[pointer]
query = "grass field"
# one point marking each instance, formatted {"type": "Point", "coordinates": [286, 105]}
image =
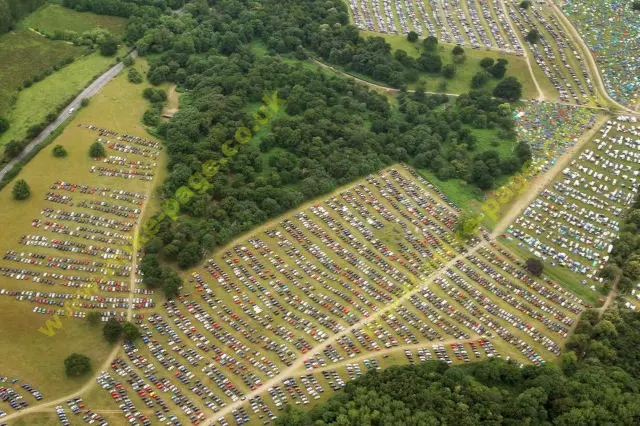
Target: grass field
{"type": "Point", "coordinates": [461, 82]}
{"type": "Point", "coordinates": [52, 17]}
{"type": "Point", "coordinates": [23, 55]}
{"type": "Point", "coordinates": [34, 103]}
{"type": "Point", "coordinates": [25, 352]}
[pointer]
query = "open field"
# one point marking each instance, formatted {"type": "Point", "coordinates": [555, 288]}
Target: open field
{"type": "Point", "coordinates": [461, 82]}
{"type": "Point", "coordinates": [34, 103]}
{"type": "Point", "coordinates": [48, 248]}
{"type": "Point", "coordinates": [24, 55]}
{"type": "Point", "coordinates": [52, 17]}
{"type": "Point", "coordinates": [351, 280]}
{"type": "Point", "coordinates": [573, 223]}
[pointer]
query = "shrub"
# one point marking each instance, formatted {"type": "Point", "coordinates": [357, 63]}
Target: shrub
{"type": "Point", "coordinates": [59, 151]}
{"type": "Point", "coordinates": [12, 149]}
{"type": "Point", "coordinates": [448, 71]}
{"type": "Point", "coordinates": [4, 125]}
{"type": "Point", "coordinates": [35, 130]}
{"type": "Point", "coordinates": [21, 190]}
{"type": "Point", "coordinates": [108, 46]}
{"type": "Point", "coordinates": [134, 76]}
{"type": "Point", "coordinates": [128, 61]}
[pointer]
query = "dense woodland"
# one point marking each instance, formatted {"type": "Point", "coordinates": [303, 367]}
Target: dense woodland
{"type": "Point", "coordinates": [597, 383]}
{"type": "Point", "coordinates": [624, 265]}
{"type": "Point", "coordinates": [227, 55]}
{"type": "Point", "coordinates": [12, 10]}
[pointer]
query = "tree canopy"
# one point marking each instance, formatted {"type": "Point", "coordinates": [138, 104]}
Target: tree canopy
{"type": "Point", "coordinates": [76, 365]}
{"type": "Point", "coordinates": [112, 330]}
{"type": "Point", "coordinates": [96, 150]}
{"type": "Point", "coordinates": [21, 190]}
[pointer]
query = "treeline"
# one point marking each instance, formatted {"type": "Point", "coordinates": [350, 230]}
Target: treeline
{"type": "Point", "coordinates": [11, 11]}
{"type": "Point", "coordinates": [330, 132]}
{"type": "Point", "coordinates": [123, 8]}
{"type": "Point", "coordinates": [625, 256]}
{"type": "Point", "coordinates": [597, 382]}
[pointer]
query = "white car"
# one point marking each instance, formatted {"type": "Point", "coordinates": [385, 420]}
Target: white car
{"type": "Point", "coordinates": [71, 110]}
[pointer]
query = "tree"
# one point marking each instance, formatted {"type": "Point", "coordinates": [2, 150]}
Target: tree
{"type": "Point", "coordinates": [457, 50]}
{"type": "Point", "coordinates": [525, 4]}
{"type": "Point", "coordinates": [412, 36]}
{"type": "Point", "coordinates": [151, 117]}
{"type": "Point", "coordinates": [448, 71]}
{"type": "Point", "coordinates": [172, 284]}
{"type": "Point", "coordinates": [84, 102]}
{"type": "Point", "coordinates": [112, 330]}
{"type": "Point", "coordinates": [4, 125]}
{"type": "Point", "coordinates": [59, 151]}
{"type": "Point", "coordinates": [481, 175]}
{"type": "Point", "coordinates": [77, 365]}
{"type": "Point", "coordinates": [534, 266]}
{"type": "Point", "coordinates": [430, 62]}
{"type": "Point", "coordinates": [467, 225]}
{"type": "Point", "coordinates": [486, 63]}
{"type": "Point", "coordinates": [499, 69]}
{"type": "Point", "coordinates": [636, 5]}
{"type": "Point", "coordinates": [509, 89]}
{"type": "Point", "coordinates": [12, 149]}
{"type": "Point", "coordinates": [130, 331]}
{"type": "Point", "coordinates": [21, 190]}
{"type": "Point", "coordinates": [533, 36]}
{"type": "Point", "coordinates": [96, 150]}
{"type": "Point", "coordinates": [479, 79]}
{"type": "Point", "coordinates": [430, 43]}
{"type": "Point", "coordinates": [108, 45]}
{"type": "Point", "coordinates": [632, 269]}
{"type": "Point", "coordinates": [94, 318]}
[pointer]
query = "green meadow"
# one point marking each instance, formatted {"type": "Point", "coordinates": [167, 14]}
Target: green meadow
{"type": "Point", "coordinates": [26, 55]}
{"type": "Point", "coordinates": [52, 17]}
